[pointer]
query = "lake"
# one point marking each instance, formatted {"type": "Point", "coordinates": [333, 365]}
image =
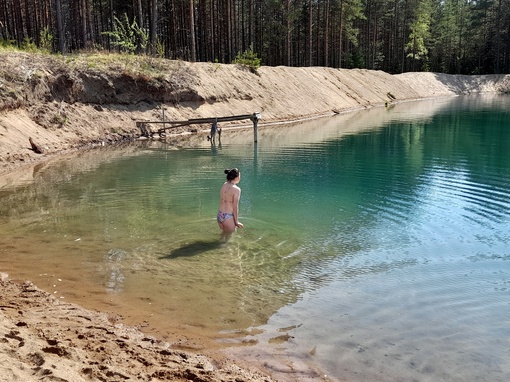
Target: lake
{"type": "Point", "coordinates": [375, 248]}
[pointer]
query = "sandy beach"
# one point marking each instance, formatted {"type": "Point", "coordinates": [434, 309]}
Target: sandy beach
{"type": "Point", "coordinates": [68, 107]}
{"type": "Point", "coordinates": [46, 339]}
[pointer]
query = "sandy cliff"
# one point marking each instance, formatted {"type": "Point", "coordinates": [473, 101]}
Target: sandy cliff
{"type": "Point", "coordinates": [65, 103]}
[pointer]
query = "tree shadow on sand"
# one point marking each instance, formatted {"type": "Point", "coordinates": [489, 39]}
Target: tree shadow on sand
{"type": "Point", "coordinates": [192, 249]}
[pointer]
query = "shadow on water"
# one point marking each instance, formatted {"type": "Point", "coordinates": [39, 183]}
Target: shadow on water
{"type": "Point", "coordinates": [193, 249]}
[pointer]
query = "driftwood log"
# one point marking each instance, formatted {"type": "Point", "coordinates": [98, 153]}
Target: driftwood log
{"type": "Point", "coordinates": [36, 149]}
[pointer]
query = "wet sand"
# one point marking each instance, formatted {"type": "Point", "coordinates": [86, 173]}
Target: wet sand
{"type": "Point", "coordinates": [44, 338]}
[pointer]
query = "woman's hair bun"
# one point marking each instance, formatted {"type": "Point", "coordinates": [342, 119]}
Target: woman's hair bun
{"type": "Point", "coordinates": [232, 174]}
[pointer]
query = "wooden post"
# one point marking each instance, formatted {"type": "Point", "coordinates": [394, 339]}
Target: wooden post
{"type": "Point", "coordinates": [255, 130]}
{"type": "Point", "coordinates": [255, 119]}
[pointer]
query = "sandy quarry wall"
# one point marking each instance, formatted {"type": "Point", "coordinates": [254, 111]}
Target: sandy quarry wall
{"type": "Point", "coordinates": [64, 107]}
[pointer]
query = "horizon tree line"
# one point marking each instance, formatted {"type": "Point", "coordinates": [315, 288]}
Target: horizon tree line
{"type": "Point", "coordinates": [396, 36]}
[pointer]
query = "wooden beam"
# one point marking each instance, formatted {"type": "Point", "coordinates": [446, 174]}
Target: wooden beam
{"type": "Point", "coordinates": [252, 117]}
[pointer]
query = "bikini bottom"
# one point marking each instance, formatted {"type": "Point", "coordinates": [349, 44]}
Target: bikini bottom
{"type": "Point", "coordinates": [222, 216]}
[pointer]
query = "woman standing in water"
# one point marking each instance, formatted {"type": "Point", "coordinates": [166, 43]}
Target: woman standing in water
{"type": "Point", "coordinates": [228, 213]}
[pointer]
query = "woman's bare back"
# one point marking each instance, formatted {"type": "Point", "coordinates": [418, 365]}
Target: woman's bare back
{"type": "Point", "coordinates": [229, 197]}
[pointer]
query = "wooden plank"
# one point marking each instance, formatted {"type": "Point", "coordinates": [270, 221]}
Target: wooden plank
{"type": "Point", "coordinates": [207, 120]}
{"type": "Point", "coordinates": [202, 120]}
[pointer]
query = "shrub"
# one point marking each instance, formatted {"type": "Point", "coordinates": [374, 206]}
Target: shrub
{"type": "Point", "coordinates": [127, 36]}
{"type": "Point", "coordinates": [46, 40]}
{"type": "Point", "coordinates": [248, 59]}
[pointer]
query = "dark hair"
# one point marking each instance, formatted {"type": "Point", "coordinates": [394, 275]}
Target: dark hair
{"type": "Point", "coordinates": [232, 174]}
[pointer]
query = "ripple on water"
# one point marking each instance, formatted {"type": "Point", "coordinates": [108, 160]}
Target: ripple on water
{"type": "Point", "coordinates": [428, 322]}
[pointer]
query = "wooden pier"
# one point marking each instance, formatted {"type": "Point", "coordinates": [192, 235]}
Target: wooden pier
{"type": "Point", "coordinates": [254, 117]}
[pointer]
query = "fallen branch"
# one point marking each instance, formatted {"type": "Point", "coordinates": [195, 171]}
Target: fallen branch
{"type": "Point", "coordinates": [36, 149]}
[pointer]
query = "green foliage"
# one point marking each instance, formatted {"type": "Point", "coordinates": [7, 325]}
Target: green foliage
{"type": "Point", "coordinates": [352, 12]}
{"type": "Point", "coordinates": [248, 59]}
{"type": "Point", "coordinates": [128, 37]}
{"type": "Point", "coordinates": [451, 33]}
{"type": "Point", "coordinates": [451, 36]}
{"type": "Point", "coordinates": [420, 31]}
{"type": "Point", "coordinates": [46, 40]}
{"type": "Point", "coordinates": [29, 46]}
{"type": "Point", "coordinates": [160, 48]}
{"type": "Point", "coordinates": [7, 44]}
{"type": "Point", "coordinates": [355, 59]}
{"type": "Point", "coordinates": [59, 120]}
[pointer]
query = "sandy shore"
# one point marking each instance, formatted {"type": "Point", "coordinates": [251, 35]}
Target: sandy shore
{"type": "Point", "coordinates": [43, 338]}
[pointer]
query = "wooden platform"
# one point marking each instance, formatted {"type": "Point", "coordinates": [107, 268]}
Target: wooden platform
{"type": "Point", "coordinates": [142, 125]}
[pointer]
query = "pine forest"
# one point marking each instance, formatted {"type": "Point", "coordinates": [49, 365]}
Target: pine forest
{"type": "Point", "coordinates": [448, 36]}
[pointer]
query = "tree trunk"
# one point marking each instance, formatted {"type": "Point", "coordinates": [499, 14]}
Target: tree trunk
{"type": "Point", "coordinates": [340, 30]}
{"type": "Point", "coordinates": [229, 31]}
{"type": "Point", "coordinates": [153, 26]}
{"type": "Point", "coordinates": [326, 36]}
{"type": "Point", "coordinates": [289, 34]}
{"type": "Point", "coordinates": [60, 30]}
{"type": "Point", "coordinates": [310, 34]}
{"type": "Point", "coordinates": [83, 17]}
{"type": "Point", "coordinates": [192, 31]}
{"type": "Point", "coordinates": [140, 13]}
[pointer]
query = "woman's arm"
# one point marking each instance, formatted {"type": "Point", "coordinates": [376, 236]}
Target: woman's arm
{"type": "Point", "coordinates": [235, 205]}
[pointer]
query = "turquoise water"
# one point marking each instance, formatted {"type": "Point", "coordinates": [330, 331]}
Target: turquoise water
{"type": "Point", "coordinates": [376, 244]}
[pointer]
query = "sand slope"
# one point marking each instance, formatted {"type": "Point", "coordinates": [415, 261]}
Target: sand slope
{"type": "Point", "coordinates": [67, 103]}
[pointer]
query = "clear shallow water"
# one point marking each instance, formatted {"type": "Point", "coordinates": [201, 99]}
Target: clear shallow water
{"type": "Point", "coordinates": [376, 244]}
